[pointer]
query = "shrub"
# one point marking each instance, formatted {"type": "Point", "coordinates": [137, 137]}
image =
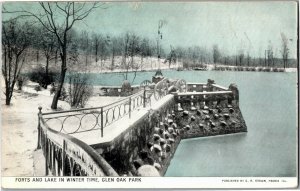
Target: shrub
{"type": "Point", "coordinates": [79, 89]}
{"type": "Point", "coordinates": [38, 75]}
{"type": "Point", "coordinates": [53, 88]}
{"type": "Point", "coordinates": [37, 88]}
{"type": "Point", "coordinates": [22, 80]}
{"type": "Point", "coordinates": [63, 94]}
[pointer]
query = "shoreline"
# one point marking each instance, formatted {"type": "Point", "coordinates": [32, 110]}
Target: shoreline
{"type": "Point", "coordinates": [209, 68]}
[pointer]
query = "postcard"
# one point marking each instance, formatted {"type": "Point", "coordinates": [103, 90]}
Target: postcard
{"type": "Point", "coordinates": [149, 94]}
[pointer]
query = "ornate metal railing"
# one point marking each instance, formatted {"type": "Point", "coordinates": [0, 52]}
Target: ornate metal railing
{"type": "Point", "coordinates": [88, 119]}
{"type": "Point", "coordinates": [68, 156]}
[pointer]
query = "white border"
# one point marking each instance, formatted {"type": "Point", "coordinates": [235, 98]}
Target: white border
{"type": "Point", "coordinates": [150, 182]}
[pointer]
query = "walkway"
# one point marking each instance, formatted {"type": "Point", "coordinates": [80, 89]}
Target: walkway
{"type": "Point", "coordinates": [115, 129]}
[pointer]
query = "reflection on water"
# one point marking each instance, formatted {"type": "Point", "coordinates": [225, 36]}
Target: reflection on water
{"type": "Point", "coordinates": [268, 104]}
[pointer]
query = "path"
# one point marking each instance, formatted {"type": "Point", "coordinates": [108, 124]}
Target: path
{"type": "Point", "coordinates": [19, 130]}
{"type": "Point", "coordinates": [116, 128]}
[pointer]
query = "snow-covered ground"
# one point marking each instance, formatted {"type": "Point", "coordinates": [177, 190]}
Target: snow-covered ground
{"type": "Point", "coordinates": [19, 127]}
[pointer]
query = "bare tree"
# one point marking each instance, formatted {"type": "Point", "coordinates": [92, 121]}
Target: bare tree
{"type": "Point", "coordinates": [248, 59]}
{"type": "Point", "coordinates": [96, 42]}
{"type": "Point", "coordinates": [133, 50]}
{"type": "Point", "coordinates": [115, 49]}
{"type": "Point", "coordinates": [172, 56]}
{"type": "Point", "coordinates": [103, 48]}
{"type": "Point", "coordinates": [79, 89]}
{"type": "Point", "coordinates": [144, 50]}
{"type": "Point", "coordinates": [16, 39]}
{"type": "Point", "coordinates": [125, 65]}
{"type": "Point", "coordinates": [216, 54]}
{"type": "Point", "coordinates": [69, 13]}
{"type": "Point", "coordinates": [241, 56]}
{"type": "Point", "coordinates": [47, 42]}
{"type": "Point", "coordinates": [85, 45]}
{"type": "Point", "coordinates": [284, 50]}
{"type": "Point", "coordinates": [270, 55]}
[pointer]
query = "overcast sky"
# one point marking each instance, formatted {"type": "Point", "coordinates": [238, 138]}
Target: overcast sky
{"type": "Point", "coordinates": [232, 25]}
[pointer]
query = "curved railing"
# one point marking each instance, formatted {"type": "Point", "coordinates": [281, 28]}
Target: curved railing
{"type": "Point", "coordinates": [95, 118]}
{"type": "Point", "coordinates": [68, 156]}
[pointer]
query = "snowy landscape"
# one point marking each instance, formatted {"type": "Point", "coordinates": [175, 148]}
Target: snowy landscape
{"type": "Point", "coordinates": [66, 57]}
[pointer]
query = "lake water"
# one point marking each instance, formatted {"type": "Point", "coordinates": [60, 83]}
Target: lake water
{"type": "Point", "coordinates": [268, 104]}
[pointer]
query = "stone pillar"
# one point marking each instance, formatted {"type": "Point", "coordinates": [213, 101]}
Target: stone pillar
{"type": "Point", "coordinates": [39, 128]}
{"type": "Point", "coordinates": [235, 92]}
{"type": "Point", "coordinates": [209, 86]}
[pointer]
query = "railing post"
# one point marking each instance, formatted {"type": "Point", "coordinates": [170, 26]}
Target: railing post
{"type": "Point", "coordinates": [63, 158]}
{"type": "Point", "coordinates": [129, 107]}
{"type": "Point", "coordinates": [101, 121]}
{"type": "Point", "coordinates": [39, 128]}
{"type": "Point", "coordinates": [46, 156]}
{"type": "Point", "coordinates": [144, 97]}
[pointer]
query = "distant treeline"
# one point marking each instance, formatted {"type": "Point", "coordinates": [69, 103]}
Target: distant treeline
{"type": "Point", "coordinates": [87, 47]}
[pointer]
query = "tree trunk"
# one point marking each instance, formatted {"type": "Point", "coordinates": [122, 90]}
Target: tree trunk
{"type": "Point", "coordinates": [62, 76]}
{"type": "Point", "coordinates": [113, 61]}
{"type": "Point", "coordinates": [55, 57]}
{"type": "Point", "coordinates": [47, 80]}
{"type": "Point", "coordinates": [86, 59]}
{"type": "Point", "coordinates": [96, 52]}
{"type": "Point", "coordinates": [37, 56]}
{"type": "Point", "coordinates": [47, 66]}
{"type": "Point", "coordinates": [7, 95]}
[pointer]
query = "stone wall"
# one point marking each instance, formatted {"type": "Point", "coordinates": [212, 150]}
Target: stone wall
{"type": "Point", "coordinates": [152, 140]}
{"type": "Point", "coordinates": [137, 146]}
{"type": "Point", "coordinates": [210, 114]}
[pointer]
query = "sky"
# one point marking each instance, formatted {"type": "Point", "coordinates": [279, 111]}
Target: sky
{"type": "Point", "coordinates": [250, 26]}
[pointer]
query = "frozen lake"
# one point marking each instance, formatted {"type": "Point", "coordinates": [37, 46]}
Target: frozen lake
{"type": "Point", "coordinates": [268, 104]}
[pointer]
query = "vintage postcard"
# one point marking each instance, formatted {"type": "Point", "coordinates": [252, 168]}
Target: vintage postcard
{"type": "Point", "coordinates": [149, 94]}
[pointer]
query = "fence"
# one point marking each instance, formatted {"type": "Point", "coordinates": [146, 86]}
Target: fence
{"type": "Point", "coordinates": [200, 87]}
{"type": "Point", "coordinates": [211, 98]}
{"type": "Point", "coordinates": [68, 156]}
{"type": "Point", "coordinates": [209, 94]}
{"type": "Point", "coordinates": [88, 119]}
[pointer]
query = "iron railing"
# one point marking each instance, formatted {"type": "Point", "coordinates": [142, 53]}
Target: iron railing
{"type": "Point", "coordinates": [68, 156]}
{"type": "Point", "coordinates": [95, 118]}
